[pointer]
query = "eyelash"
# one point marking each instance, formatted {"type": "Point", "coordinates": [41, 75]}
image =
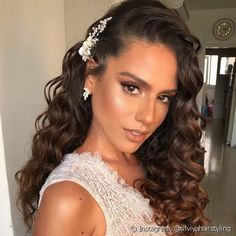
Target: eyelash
{"type": "Point", "coordinates": [127, 85]}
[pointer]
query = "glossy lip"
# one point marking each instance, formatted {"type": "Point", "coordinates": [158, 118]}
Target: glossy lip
{"type": "Point", "coordinates": [135, 135]}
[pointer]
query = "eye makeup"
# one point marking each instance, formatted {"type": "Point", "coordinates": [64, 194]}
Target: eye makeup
{"type": "Point", "coordinates": [142, 83]}
{"type": "Point", "coordinates": [133, 89]}
{"type": "Point", "coordinates": [130, 87]}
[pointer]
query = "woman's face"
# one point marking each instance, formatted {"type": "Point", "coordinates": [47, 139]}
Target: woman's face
{"type": "Point", "coordinates": [131, 99]}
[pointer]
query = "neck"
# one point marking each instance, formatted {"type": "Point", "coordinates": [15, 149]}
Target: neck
{"type": "Point", "coordinates": [96, 140]}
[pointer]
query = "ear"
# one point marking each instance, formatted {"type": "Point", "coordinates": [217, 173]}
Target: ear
{"type": "Point", "coordinates": [90, 80]}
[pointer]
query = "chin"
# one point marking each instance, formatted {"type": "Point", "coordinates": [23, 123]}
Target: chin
{"type": "Point", "coordinates": [130, 148]}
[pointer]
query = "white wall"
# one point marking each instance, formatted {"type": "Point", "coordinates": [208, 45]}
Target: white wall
{"type": "Point", "coordinates": [32, 45]}
{"type": "Point", "coordinates": [79, 15]}
{"type": "Point", "coordinates": [5, 213]}
{"type": "Point", "coordinates": [201, 23]}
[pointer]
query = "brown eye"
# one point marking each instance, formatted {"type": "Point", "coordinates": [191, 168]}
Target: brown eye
{"type": "Point", "coordinates": [165, 99]}
{"type": "Point", "coordinates": [130, 88]}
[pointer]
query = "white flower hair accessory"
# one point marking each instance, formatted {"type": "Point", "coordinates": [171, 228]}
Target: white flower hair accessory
{"type": "Point", "coordinates": [90, 42]}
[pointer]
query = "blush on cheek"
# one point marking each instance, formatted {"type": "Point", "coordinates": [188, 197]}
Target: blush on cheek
{"type": "Point", "coordinates": [116, 101]}
{"type": "Point", "coordinates": [108, 103]}
{"type": "Point", "coordinates": [118, 105]}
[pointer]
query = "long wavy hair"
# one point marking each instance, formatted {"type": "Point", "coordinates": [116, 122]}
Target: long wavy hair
{"type": "Point", "coordinates": [170, 156]}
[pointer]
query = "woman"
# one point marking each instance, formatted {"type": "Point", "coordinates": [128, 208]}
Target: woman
{"type": "Point", "coordinates": [117, 150]}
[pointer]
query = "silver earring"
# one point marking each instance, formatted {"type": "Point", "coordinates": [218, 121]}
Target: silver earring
{"type": "Point", "coordinates": [86, 94]}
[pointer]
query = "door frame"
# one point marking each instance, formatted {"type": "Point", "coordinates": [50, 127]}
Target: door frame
{"type": "Point", "coordinates": [223, 52]}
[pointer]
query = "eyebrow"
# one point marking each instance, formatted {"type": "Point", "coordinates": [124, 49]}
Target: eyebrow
{"type": "Point", "coordinates": [144, 83]}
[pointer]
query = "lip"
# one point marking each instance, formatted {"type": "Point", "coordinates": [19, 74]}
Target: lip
{"type": "Point", "coordinates": [136, 136]}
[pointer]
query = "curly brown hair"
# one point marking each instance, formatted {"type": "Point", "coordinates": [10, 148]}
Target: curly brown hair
{"type": "Point", "coordinates": [170, 156]}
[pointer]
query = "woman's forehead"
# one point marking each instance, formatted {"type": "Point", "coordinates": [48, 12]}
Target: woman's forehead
{"type": "Point", "coordinates": [146, 62]}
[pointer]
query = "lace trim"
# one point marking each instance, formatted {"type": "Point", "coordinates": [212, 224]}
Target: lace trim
{"type": "Point", "coordinates": [113, 173]}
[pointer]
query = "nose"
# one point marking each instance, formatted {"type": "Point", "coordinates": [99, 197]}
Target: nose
{"type": "Point", "coordinates": [146, 111]}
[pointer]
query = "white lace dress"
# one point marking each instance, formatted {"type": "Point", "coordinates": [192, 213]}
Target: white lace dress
{"type": "Point", "coordinates": [125, 209]}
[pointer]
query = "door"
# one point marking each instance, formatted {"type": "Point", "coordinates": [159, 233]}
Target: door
{"type": "Point", "coordinates": [231, 105]}
{"type": "Point", "coordinates": [224, 104]}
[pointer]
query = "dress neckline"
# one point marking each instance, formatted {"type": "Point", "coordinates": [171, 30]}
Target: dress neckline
{"type": "Point", "coordinates": [97, 157]}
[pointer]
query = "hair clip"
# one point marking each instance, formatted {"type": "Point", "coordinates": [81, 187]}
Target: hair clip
{"type": "Point", "coordinates": [92, 39]}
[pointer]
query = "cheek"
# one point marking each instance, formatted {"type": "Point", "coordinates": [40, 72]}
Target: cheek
{"type": "Point", "coordinates": [110, 103]}
{"type": "Point", "coordinates": [161, 114]}
{"type": "Point", "coordinates": [115, 103]}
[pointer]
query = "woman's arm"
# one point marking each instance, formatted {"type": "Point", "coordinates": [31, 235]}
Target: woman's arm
{"type": "Point", "coordinates": [66, 209]}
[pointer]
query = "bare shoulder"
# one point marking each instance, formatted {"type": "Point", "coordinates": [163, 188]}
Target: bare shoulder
{"type": "Point", "coordinates": [66, 209]}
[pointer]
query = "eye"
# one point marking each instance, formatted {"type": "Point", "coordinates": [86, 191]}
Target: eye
{"type": "Point", "coordinates": [130, 88]}
{"type": "Point", "coordinates": [165, 98]}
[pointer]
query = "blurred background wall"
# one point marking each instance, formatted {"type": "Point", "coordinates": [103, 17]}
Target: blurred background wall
{"type": "Point", "coordinates": [32, 44]}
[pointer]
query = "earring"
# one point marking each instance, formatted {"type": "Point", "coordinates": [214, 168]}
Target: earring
{"type": "Point", "coordinates": [86, 94]}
